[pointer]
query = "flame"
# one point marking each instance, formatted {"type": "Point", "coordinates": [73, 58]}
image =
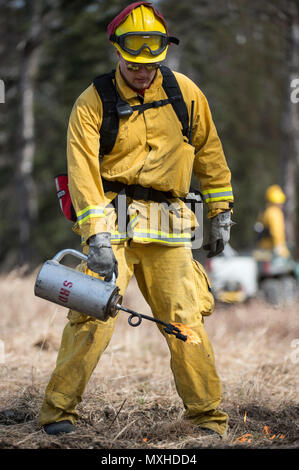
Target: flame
{"type": "Point", "coordinates": [267, 433]}
{"type": "Point", "coordinates": [244, 438]}
{"type": "Point", "coordinates": [144, 439]}
{"type": "Point", "coordinates": [245, 417]}
{"type": "Point", "coordinates": [192, 337]}
{"type": "Point", "coordinates": [266, 430]}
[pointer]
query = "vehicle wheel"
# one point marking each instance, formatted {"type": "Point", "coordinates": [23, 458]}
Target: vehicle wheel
{"type": "Point", "coordinates": [271, 289]}
{"type": "Point", "coordinates": [289, 289]}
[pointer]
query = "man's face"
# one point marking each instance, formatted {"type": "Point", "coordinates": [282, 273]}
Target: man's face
{"type": "Point", "coordinates": [139, 79]}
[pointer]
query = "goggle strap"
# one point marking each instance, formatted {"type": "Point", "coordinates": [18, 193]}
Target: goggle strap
{"type": "Point", "coordinates": [174, 40]}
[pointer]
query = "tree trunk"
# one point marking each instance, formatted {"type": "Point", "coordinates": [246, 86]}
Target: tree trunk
{"type": "Point", "coordinates": [25, 187]}
{"type": "Point", "coordinates": [290, 129]}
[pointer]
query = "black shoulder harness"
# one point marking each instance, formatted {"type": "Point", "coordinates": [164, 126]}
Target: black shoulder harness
{"type": "Point", "coordinates": [114, 107]}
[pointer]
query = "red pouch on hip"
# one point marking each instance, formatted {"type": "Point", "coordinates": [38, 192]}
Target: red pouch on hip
{"type": "Point", "coordinates": [64, 197]}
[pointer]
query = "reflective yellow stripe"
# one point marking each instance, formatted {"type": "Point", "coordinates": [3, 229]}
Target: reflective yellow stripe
{"type": "Point", "coordinates": [89, 212]}
{"type": "Point", "coordinates": [88, 208]}
{"type": "Point", "coordinates": [163, 234]}
{"type": "Point", "coordinates": [90, 216]}
{"type": "Point", "coordinates": [134, 220]}
{"type": "Point", "coordinates": [216, 190]}
{"type": "Point", "coordinates": [218, 194]}
{"type": "Point", "coordinates": [222, 198]}
{"type": "Point", "coordinates": [160, 240]}
{"type": "Point", "coordinates": [119, 236]}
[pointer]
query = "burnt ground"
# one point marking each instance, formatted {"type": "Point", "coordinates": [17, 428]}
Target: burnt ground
{"type": "Point", "coordinates": [131, 401]}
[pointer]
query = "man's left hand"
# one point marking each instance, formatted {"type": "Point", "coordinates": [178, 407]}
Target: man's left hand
{"type": "Point", "coordinates": [219, 233]}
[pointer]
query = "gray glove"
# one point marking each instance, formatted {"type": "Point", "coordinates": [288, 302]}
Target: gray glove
{"type": "Point", "coordinates": [219, 233]}
{"type": "Point", "coordinates": [101, 258]}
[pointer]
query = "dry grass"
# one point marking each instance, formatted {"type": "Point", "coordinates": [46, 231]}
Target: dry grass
{"type": "Point", "coordinates": [131, 401]}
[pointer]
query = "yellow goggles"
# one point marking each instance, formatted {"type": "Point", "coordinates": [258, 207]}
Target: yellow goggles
{"type": "Point", "coordinates": [135, 67]}
{"type": "Point", "coordinates": [134, 43]}
{"type": "Point", "coordinates": [153, 42]}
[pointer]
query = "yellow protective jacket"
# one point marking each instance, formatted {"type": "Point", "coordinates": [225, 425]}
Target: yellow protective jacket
{"type": "Point", "coordinates": [150, 150]}
{"type": "Point", "coordinates": [273, 221]}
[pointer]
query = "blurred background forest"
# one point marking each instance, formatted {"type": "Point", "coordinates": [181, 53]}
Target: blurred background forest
{"type": "Point", "coordinates": [244, 55]}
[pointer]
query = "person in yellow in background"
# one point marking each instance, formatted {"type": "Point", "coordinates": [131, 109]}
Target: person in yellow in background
{"type": "Point", "coordinates": [151, 161]}
{"type": "Point", "coordinates": [270, 226]}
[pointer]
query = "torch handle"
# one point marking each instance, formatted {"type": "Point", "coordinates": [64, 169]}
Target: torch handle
{"type": "Point", "coordinates": [69, 251]}
{"type": "Point", "coordinates": [77, 254]}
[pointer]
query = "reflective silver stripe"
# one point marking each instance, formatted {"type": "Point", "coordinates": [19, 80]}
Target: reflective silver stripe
{"type": "Point", "coordinates": [57, 184]}
{"type": "Point", "coordinates": [158, 238]}
{"type": "Point", "coordinates": [59, 193]}
{"type": "Point", "coordinates": [119, 236]}
{"type": "Point", "coordinates": [220, 194]}
{"type": "Point", "coordinates": [90, 213]}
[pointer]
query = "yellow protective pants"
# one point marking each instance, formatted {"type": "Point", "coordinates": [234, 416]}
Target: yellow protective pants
{"type": "Point", "coordinates": [175, 287]}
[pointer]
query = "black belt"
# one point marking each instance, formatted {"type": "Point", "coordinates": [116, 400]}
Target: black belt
{"type": "Point", "coordinates": [136, 191]}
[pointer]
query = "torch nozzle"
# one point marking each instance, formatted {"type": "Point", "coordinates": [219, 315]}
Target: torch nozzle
{"type": "Point", "coordinates": [168, 327]}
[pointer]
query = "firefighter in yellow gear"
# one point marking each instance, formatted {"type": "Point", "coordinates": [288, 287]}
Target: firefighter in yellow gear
{"type": "Point", "coordinates": [150, 152]}
{"type": "Point", "coordinates": [271, 226]}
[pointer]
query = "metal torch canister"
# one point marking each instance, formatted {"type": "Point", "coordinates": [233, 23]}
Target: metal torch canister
{"type": "Point", "coordinates": [73, 289]}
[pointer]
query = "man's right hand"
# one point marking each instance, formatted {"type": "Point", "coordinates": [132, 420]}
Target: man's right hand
{"type": "Point", "coordinates": [101, 258]}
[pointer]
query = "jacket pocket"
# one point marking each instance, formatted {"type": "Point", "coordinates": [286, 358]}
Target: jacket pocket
{"type": "Point", "coordinates": [205, 296]}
